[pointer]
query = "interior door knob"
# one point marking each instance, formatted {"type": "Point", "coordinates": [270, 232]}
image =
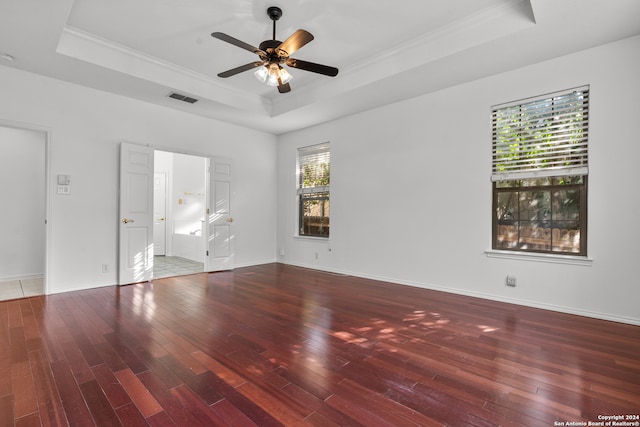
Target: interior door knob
{"type": "Point", "coordinates": [230, 219]}
{"type": "Point", "coordinates": [126, 220]}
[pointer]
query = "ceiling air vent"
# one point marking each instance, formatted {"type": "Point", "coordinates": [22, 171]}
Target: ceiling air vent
{"type": "Point", "coordinates": [181, 97]}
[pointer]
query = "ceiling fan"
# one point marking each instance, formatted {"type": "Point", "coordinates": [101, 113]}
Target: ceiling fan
{"type": "Point", "coordinates": [274, 53]}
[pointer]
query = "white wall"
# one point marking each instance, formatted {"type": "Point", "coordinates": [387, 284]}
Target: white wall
{"type": "Point", "coordinates": [22, 195]}
{"type": "Point", "coordinates": [86, 127]}
{"type": "Point", "coordinates": [411, 196]}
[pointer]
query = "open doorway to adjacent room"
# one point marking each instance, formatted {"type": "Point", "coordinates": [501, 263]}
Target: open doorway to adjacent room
{"type": "Point", "coordinates": [23, 216]}
{"type": "Point", "coordinates": [179, 212]}
{"type": "Point", "coordinates": [194, 222]}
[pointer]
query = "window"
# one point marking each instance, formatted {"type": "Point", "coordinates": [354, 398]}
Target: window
{"type": "Point", "coordinates": [313, 190]}
{"type": "Point", "coordinates": [539, 173]}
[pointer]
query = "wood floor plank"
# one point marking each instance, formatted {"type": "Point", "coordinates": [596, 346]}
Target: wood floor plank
{"type": "Point", "coordinates": [112, 388]}
{"type": "Point", "coordinates": [14, 313]}
{"type": "Point", "coordinates": [29, 321]}
{"type": "Point", "coordinates": [130, 416]}
{"type": "Point", "coordinates": [180, 415]}
{"type": "Point", "coordinates": [25, 400]}
{"type": "Point", "coordinates": [273, 345]}
{"type": "Point", "coordinates": [99, 406]}
{"type": "Point", "coordinates": [231, 414]}
{"type": "Point", "coordinates": [377, 404]}
{"type": "Point", "coordinates": [202, 384]}
{"type": "Point", "coordinates": [221, 371]}
{"type": "Point", "coordinates": [49, 404]}
{"type": "Point", "coordinates": [162, 420]}
{"type": "Point", "coordinates": [110, 356]}
{"type": "Point", "coordinates": [31, 420]}
{"type": "Point", "coordinates": [159, 369]}
{"type": "Point", "coordinates": [93, 326]}
{"type": "Point", "coordinates": [203, 413]}
{"type": "Point", "coordinates": [361, 414]}
{"type": "Point", "coordinates": [145, 402]}
{"type": "Point", "coordinates": [51, 325]}
{"type": "Point", "coordinates": [185, 358]}
{"type": "Point", "coordinates": [78, 364]}
{"type": "Point", "coordinates": [6, 386]}
{"type": "Point", "coordinates": [19, 351]}
{"type": "Point", "coordinates": [7, 417]}
{"type": "Point", "coordinates": [126, 354]}
{"type": "Point", "coordinates": [76, 410]}
{"type": "Point", "coordinates": [324, 414]}
{"type": "Point", "coordinates": [532, 408]}
{"type": "Point", "coordinates": [245, 399]}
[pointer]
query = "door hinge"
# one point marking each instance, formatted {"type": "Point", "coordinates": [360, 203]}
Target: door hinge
{"type": "Point", "coordinates": [207, 211]}
{"type": "Point", "coordinates": [207, 253]}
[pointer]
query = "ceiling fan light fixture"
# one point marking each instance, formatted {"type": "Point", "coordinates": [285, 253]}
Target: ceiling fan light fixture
{"type": "Point", "coordinates": [261, 74]}
{"type": "Point", "coordinates": [272, 80]}
{"type": "Point", "coordinates": [285, 76]}
{"type": "Point", "coordinates": [273, 75]}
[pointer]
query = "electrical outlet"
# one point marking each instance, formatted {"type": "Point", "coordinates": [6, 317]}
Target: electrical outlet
{"type": "Point", "coordinates": [511, 281]}
{"type": "Point", "coordinates": [105, 268]}
{"type": "Point", "coordinates": [316, 255]}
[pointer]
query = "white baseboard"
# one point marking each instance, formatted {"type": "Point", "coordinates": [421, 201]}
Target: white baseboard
{"type": "Point", "coordinates": [491, 297]}
{"type": "Point", "coordinates": [82, 287]}
{"type": "Point", "coordinates": [251, 264]}
{"type": "Point", "coordinates": [26, 277]}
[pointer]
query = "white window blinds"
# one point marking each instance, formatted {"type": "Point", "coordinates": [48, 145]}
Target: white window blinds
{"type": "Point", "coordinates": [314, 169]}
{"type": "Point", "coordinates": [541, 137]}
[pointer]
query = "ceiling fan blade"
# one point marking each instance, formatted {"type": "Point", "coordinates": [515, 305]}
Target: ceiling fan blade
{"type": "Point", "coordinates": [293, 43]}
{"type": "Point", "coordinates": [240, 69]}
{"type": "Point", "coordinates": [227, 38]}
{"type": "Point", "coordinates": [284, 88]}
{"type": "Point", "coordinates": [313, 67]}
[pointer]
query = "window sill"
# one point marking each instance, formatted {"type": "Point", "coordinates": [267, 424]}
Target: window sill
{"type": "Point", "coordinates": [312, 238]}
{"type": "Point", "coordinates": [538, 257]}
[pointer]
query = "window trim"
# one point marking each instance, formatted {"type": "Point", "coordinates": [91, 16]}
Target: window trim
{"type": "Point", "coordinates": [310, 150]}
{"type": "Point", "coordinates": [540, 257]}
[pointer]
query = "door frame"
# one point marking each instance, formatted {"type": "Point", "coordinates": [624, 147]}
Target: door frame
{"type": "Point", "coordinates": [165, 177]}
{"type": "Point", "coordinates": [48, 137]}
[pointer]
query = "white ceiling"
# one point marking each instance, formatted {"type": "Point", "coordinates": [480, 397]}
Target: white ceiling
{"type": "Point", "coordinates": [386, 51]}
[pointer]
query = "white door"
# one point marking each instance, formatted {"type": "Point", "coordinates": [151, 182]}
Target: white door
{"type": "Point", "coordinates": [159, 213]}
{"type": "Point", "coordinates": [136, 214]}
{"type": "Point", "coordinates": [219, 222]}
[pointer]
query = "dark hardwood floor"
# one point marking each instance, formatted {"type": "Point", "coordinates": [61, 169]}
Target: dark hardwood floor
{"type": "Point", "coordinates": [280, 345]}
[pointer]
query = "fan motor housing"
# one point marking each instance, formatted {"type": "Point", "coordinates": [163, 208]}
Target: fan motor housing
{"type": "Point", "coordinates": [269, 46]}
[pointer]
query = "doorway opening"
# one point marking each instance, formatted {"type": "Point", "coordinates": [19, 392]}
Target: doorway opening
{"type": "Point", "coordinates": [184, 230]}
{"type": "Point", "coordinates": [23, 169]}
{"type": "Point", "coordinates": [179, 212]}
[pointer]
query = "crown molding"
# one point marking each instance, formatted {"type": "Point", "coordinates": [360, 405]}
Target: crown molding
{"type": "Point", "coordinates": [93, 49]}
